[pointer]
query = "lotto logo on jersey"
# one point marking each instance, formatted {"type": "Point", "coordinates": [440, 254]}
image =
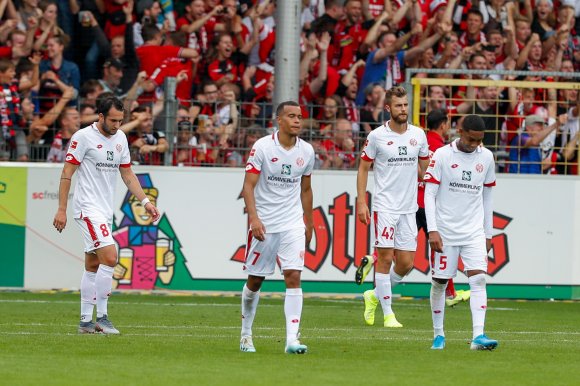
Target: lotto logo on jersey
{"type": "Point", "coordinates": [73, 144]}
{"type": "Point", "coordinates": [109, 155]}
{"type": "Point", "coordinates": [286, 169]}
{"type": "Point", "coordinates": [402, 150]}
{"type": "Point", "coordinates": [466, 176]}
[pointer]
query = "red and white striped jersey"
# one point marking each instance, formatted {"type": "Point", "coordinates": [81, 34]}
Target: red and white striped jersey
{"type": "Point", "coordinates": [396, 157]}
{"type": "Point", "coordinates": [278, 190]}
{"type": "Point", "coordinates": [459, 210]}
{"type": "Point", "coordinates": [99, 159]}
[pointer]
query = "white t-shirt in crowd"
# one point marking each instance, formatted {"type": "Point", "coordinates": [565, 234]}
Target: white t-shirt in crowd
{"type": "Point", "coordinates": [277, 192]}
{"type": "Point", "coordinates": [396, 158]}
{"type": "Point", "coordinates": [459, 210]}
{"type": "Point", "coordinates": [99, 158]}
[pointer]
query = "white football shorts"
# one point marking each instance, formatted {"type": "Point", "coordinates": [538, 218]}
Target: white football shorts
{"type": "Point", "coordinates": [96, 232]}
{"type": "Point", "coordinates": [397, 231]}
{"type": "Point", "coordinates": [473, 255]}
{"type": "Point", "coordinates": [287, 248]}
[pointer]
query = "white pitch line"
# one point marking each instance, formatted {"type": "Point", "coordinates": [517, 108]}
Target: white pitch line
{"type": "Point", "coordinates": [153, 304]}
{"type": "Point", "coordinates": [322, 329]}
{"type": "Point", "coordinates": [258, 337]}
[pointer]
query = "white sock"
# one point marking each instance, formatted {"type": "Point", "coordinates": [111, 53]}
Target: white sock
{"type": "Point", "coordinates": [383, 292]}
{"type": "Point", "coordinates": [395, 277]}
{"type": "Point", "coordinates": [103, 285]}
{"type": "Point", "coordinates": [293, 312]}
{"type": "Point", "coordinates": [478, 302]}
{"type": "Point", "coordinates": [438, 307]}
{"type": "Point", "coordinates": [249, 306]}
{"type": "Point", "coordinates": [88, 296]}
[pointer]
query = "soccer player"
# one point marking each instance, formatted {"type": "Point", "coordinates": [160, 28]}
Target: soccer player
{"type": "Point", "coordinates": [397, 149]}
{"type": "Point", "coordinates": [438, 125]}
{"type": "Point", "coordinates": [99, 152]}
{"type": "Point", "coordinates": [458, 206]}
{"type": "Point", "coordinates": [278, 198]}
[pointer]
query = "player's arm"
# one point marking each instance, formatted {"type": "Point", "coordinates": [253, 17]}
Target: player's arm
{"type": "Point", "coordinates": [132, 183]}
{"type": "Point", "coordinates": [487, 215]}
{"type": "Point", "coordinates": [68, 170]}
{"type": "Point", "coordinates": [256, 226]}
{"type": "Point", "coordinates": [435, 240]}
{"type": "Point", "coordinates": [423, 164]}
{"type": "Point", "coordinates": [362, 177]}
{"type": "Point", "coordinates": [306, 198]}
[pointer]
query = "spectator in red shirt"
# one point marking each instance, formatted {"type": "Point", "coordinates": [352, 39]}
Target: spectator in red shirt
{"type": "Point", "coordinates": [348, 38]}
{"type": "Point", "coordinates": [341, 146]}
{"type": "Point", "coordinates": [223, 69]}
{"type": "Point", "coordinates": [199, 25]}
{"type": "Point", "coordinates": [474, 33]}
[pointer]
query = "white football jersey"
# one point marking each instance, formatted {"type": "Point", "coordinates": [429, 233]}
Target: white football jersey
{"type": "Point", "coordinates": [396, 158]}
{"type": "Point", "coordinates": [99, 158]}
{"type": "Point", "coordinates": [459, 212]}
{"type": "Point", "coordinates": [278, 189]}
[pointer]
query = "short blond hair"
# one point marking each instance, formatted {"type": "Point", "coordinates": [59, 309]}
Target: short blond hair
{"type": "Point", "coordinates": [396, 91]}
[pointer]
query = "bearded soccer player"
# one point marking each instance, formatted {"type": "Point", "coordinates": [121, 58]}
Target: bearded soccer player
{"type": "Point", "coordinates": [458, 207]}
{"type": "Point", "coordinates": [99, 152]}
{"type": "Point", "coordinates": [278, 197]}
{"type": "Point", "coordinates": [397, 150]}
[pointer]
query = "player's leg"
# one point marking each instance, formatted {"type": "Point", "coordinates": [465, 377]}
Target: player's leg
{"type": "Point", "coordinates": [88, 294]}
{"type": "Point", "coordinates": [260, 262]}
{"type": "Point", "coordinates": [291, 256]}
{"type": "Point", "coordinates": [103, 286]}
{"type": "Point", "coordinates": [474, 258]}
{"type": "Point", "coordinates": [443, 268]}
{"type": "Point", "coordinates": [405, 247]}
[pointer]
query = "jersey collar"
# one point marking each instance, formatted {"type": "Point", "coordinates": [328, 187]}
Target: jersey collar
{"type": "Point", "coordinates": [277, 141]}
{"type": "Point", "coordinates": [391, 130]}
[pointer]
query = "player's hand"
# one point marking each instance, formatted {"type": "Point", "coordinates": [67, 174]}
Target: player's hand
{"type": "Point", "coordinates": [59, 221]}
{"type": "Point", "coordinates": [152, 210]}
{"type": "Point", "coordinates": [435, 242]}
{"type": "Point", "coordinates": [258, 229]}
{"type": "Point", "coordinates": [309, 229]}
{"type": "Point", "coordinates": [364, 215]}
{"type": "Point", "coordinates": [488, 245]}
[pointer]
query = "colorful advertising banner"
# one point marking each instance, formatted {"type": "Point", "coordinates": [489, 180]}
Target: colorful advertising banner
{"type": "Point", "coordinates": [199, 241]}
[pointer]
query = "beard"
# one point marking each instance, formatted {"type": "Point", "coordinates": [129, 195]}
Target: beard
{"type": "Point", "coordinates": [400, 119]}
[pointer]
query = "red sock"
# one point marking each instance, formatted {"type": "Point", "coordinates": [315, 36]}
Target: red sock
{"type": "Point", "coordinates": [450, 290]}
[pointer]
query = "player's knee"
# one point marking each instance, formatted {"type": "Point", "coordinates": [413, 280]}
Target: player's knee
{"type": "Point", "coordinates": [477, 282]}
{"type": "Point", "coordinates": [254, 283]}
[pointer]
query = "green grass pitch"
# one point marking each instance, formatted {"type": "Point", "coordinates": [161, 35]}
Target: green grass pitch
{"type": "Point", "coordinates": [194, 340]}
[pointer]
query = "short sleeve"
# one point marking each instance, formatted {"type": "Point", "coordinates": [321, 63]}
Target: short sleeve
{"type": "Point", "coordinates": [433, 173]}
{"type": "Point", "coordinates": [424, 150]}
{"type": "Point", "coordinates": [369, 151]}
{"type": "Point", "coordinates": [125, 155]}
{"type": "Point", "coordinates": [490, 175]}
{"type": "Point", "coordinates": [76, 149]}
{"type": "Point", "coordinates": [255, 160]}
{"type": "Point", "coordinates": [310, 165]}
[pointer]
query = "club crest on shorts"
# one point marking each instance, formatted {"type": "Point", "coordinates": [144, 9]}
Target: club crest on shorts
{"type": "Point", "coordinates": [479, 168]}
{"type": "Point", "coordinates": [300, 162]}
{"type": "Point", "coordinates": [413, 142]}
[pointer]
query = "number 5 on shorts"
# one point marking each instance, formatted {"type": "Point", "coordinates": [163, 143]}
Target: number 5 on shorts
{"type": "Point", "coordinates": [442, 262]}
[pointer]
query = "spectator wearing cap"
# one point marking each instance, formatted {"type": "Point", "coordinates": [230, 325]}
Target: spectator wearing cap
{"type": "Point", "coordinates": [112, 75]}
{"type": "Point", "coordinates": [525, 154]}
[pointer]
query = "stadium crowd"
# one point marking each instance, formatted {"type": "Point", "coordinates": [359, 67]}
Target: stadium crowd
{"type": "Point", "coordinates": [59, 56]}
